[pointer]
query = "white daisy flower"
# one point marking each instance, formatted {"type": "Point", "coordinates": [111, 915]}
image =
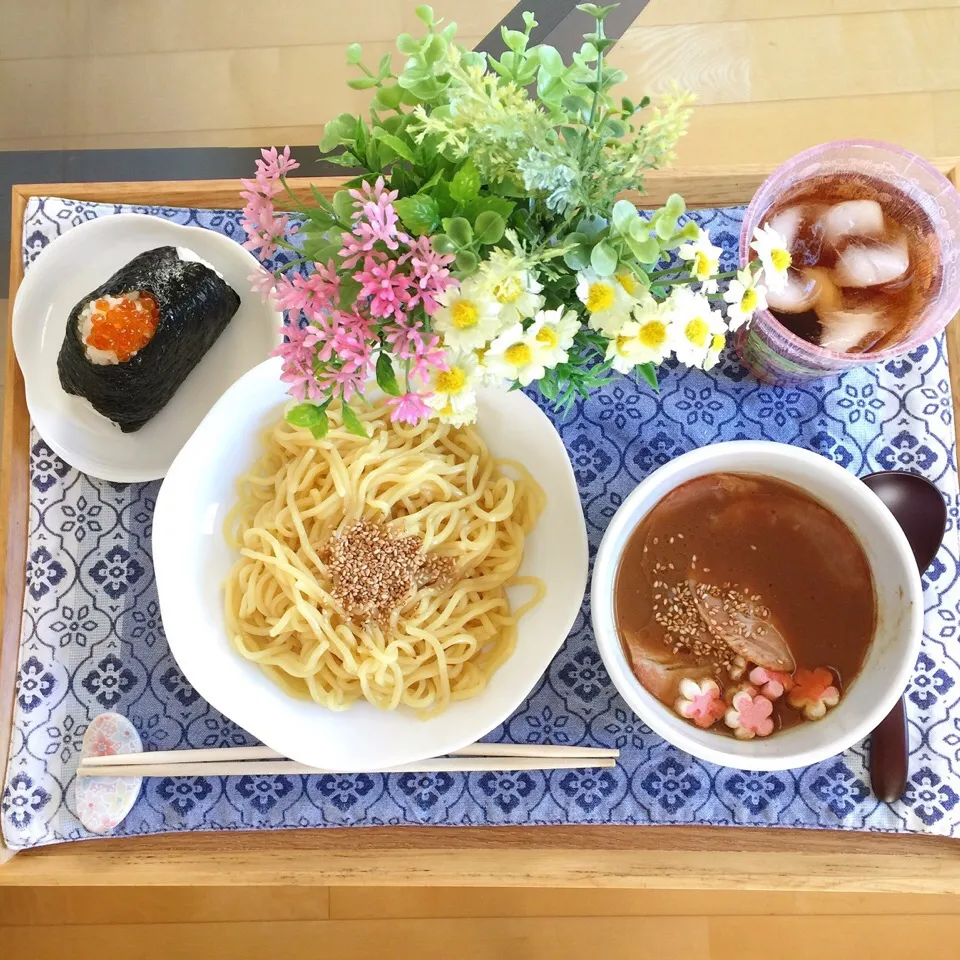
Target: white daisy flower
{"type": "Point", "coordinates": [486, 377]}
{"type": "Point", "coordinates": [774, 255]}
{"type": "Point", "coordinates": [553, 331]}
{"type": "Point", "coordinates": [515, 355]}
{"type": "Point", "coordinates": [509, 281]}
{"type": "Point", "coordinates": [694, 325]}
{"type": "Point", "coordinates": [629, 282]}
{"type": "Point", "coordinates": [745, 296]}
{"type": "Point", "coordinates": [468, 316]}
{"type": "Point", "coordinates": [704, 260]}
{"type": "Point", "coordinates": [453, 391]}
{"type": "Point", "coordinates": [606, 300]}
{"type": "Point", "coordinates": [717, 342]}
{"type": "Point", "coordinates": [654, 331]}
{"type": "Point", "coordinates": [623, 350]}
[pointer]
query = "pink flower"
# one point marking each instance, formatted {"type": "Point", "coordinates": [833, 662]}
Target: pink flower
{"type": "Point", "coordinates": [311, 294]}
{"type": "Point", "coordinates": [265, 230]}
{"type": "Point", "coordinates": [297, 368]}
{"type": "Point", "coordinates": [354, 350]}
{"type": "Point", "coordinates": [352, 250]}
{"type": "Point", "coordinates": [275, 165]}
{"type": "Point", "coordinates": [426, 357]}
{"type": "Point", "coordinates": [700, 702]}
{"type": "Point", "coordinates": [430, 273]}
{"type": "Point", "coordinates": [408, 408]}
{"type": "Point", "coordinates": [378, 223]}
{"type": "Point", "coordinates": [771, 683]}
{"type": "Point", "coordinates": [749, 715]}
{"type": "Point", "coordinates": [263, 282]}
{"type": "Point", "coordinates": [387, 290]}
{"type": "Point", "coordinates": [347, 382]}
{"type": "Point", "coordinates": [321, 335]}
{"type": "Point", "coordinates": [375, 194]}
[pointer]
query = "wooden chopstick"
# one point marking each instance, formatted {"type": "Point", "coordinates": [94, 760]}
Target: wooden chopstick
{"type": "Point", "coordinates": [269, 767]}
{"type": "Point", "coordinates": [245, 754]}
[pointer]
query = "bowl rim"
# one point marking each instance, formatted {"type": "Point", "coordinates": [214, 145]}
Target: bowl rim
{"type": "Point", "coordinates": [611, 650]}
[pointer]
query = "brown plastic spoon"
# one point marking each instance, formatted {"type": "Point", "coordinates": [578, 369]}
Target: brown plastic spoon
{"type": "Point", "coordinates": [918, 506]}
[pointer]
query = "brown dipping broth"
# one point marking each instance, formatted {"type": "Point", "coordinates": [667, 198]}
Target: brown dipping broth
{"type": "Point", "coordinates": [766, 538]}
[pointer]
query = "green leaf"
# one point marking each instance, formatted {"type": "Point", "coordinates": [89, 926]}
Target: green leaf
{"type": "Point", "coordinates": [603, 258]}
{"type": "Point", "coordinates": [649, 373]}
{"type": "Point", "coordinates": [577, 258]}
{"type": "Point", "coordinates": [443, 244]}
{"type": "Point", "coordinates": [354, 53]}
{"type": "Point", "coordinates": [640, 229]}
{"type": "Point", "coordinates": [349, 288]}
{"type": "Point", "coordinates": [627, 106]}
{"type": "Point", "coordinates": [614, 128]}
{"type": "Point", "coordinates": [345, 159]}
{"type": "Point", "coordinates": [407, 45]}
{"type": "Point", "coordinates": [352, 422]}
{"type": "Point", "coordinates": [458, 229]}
{"type": "Point", "coordinates": [466, 183]}
{"type": "Point", "coordinates": [389, 98]}
{"type": "Point", "coordinates": [595, 10]}
{"type": "Point", "coordinates": [343, 204]}
{"type": "Point", "coordinates": [311, 416]}
{"type": "Point", "coordinates": [592, 226]}
{"type": "Point", "coordinates": [397, 145]}
{"type": "Point", "coordinates": [362, 83]}
{"type": "Point", "coordinates": [419, 213]}
{"type": "Point", "coordinates": [646, 251]}
{"type": "Point", "coordinates": [489, 227]}
{"type": "Point", "coordinates": [550, 59]}
{"type": "Point", "coordinates": [623, 215]}
{"type": "Point", "coordinates": [499, 205]}
{"type": "Point", "coordinates": [322, 201]}
{"type": "Point", "coordinates": [666, 227]}
{"type": "Point", "coordinates": [675, 206]}
{"type": "Point", "coordinates": [434, 49]}
{"type": "Point", "coordinates": [514, 40]}
{"type": "Point", "coordinates": [425, 13]}
{"type": "Point", "coordinates": [383, 67]}
{"type": "Point", "coordinates": [386, 378]}
{"type": "Point", "coordinates": [689, 231]}
{"type": "Point", "coordinates": [467, 262]}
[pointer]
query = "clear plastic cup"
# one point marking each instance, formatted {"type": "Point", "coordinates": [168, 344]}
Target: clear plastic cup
{"type": "Point", "coordinates": [774, 354]}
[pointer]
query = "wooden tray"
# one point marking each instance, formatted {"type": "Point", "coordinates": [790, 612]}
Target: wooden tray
{"type": "Point", "coordinates": [649, 857]}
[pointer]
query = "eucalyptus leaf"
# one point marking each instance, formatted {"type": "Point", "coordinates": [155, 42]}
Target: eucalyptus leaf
{"type": "Point", "coordinates": [458, 229]}
{"type": "Point", "coordinates": [489, 227]}
{"type": "Point", "coordinates": [499, 205]}
{"type": "Point", "coordinates": [352, 422]}
{"type": "Point", "coordinates": [443, 244]}
{"type": "Point", "coordinates": [362, 83]}
{"type": "Point", "coordinates": [646, 251]}
{"type": "Point", "coordinates": [467, 262]}
{"type": "Point", "coordinates": [675, 206]}
{"type": "Point", "coordinates": [640, 229]}
{"type": "Point", "coordinates": [425, 13]}
{"type": "Point", "coordinates": [434, 49]}
{"type": "Point", "coordinates": [623, 215]}
{"type": "Point", "coordinates": [603, 258]}
{"type": "Point", "coordinates": [550, 59]}
{"type": "Point", "coordinates": [407, 45]}
{"type": "Point", "coordinates": [577, 258]}
{"type": "Point", "coordinates": [390, 97]}
{"type": "Point", "coordinates": [354, 53]}
{"type": "Point", "coordinates": [666, 227]}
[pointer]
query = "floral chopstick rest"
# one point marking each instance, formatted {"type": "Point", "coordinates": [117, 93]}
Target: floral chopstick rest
{"type": "Point", "coordinates": [103, 802]}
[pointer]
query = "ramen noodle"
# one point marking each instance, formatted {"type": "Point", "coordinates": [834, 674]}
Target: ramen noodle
{"type": "Point", "coordinates": [379, 568]}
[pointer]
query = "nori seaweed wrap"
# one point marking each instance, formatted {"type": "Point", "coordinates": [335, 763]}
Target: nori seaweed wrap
{"type": "Point", "coordinates": [193, 307]}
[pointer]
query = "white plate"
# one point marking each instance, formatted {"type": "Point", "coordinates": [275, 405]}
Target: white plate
{"type": "Point", "coordinates": [76, 263]}
{"type": "Point", "coordinates": [192, 561]}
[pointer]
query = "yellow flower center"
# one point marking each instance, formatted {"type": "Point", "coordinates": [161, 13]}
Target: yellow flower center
{"type": "Point", "coordinates": [703, 266]}
{"type": "Point", "coordinates": [508, 290]}
{"type": "Point", "coordinates": [697, 331]}
{"type": "Point", "coordinates": [600, 297]}
{"type": "Point", "coordinates": [653, 334]}
{"type": "Point", "coordinates": [629, 282]}
{"type": "Point", "coordinates": [780, 259]}
{"type": "Point", "coordinates": [717, 342]}
{"type": "Point", "coordinates": [464, 314]}
{"type": "Point", "coordinates": [518, 355]}
{"type": "Point", "coordinates": [548, 337]}
{"type": "Point", "coordinates": [748, 302]}
{"type": "Point", "coordinates": [451, 381]}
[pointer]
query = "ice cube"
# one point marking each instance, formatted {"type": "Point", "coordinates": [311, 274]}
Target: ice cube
{"type": "Point", "coordinates": [869, 265]}
{"type": "Point", "coordinates": [851, 331]}
{"type": "Point", "coordinates": [853, 218]}
{"type": "Point", "coordinates": [804, 289]}
{"type": "Point", "coordinates": [787, 223]}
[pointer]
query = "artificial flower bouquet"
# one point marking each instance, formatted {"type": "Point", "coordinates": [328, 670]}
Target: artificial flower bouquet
{"type": "Point", "coordinates": [484, 243]}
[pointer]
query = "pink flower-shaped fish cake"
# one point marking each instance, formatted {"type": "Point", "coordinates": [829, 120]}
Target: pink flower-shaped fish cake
{"type": "Point", "coordinates": [771, 683]}
{"type": "Point", "coordinates": [700, 702]}
{"type": "Point", "coordinates": [750, 715]}
{"type": "Point", "coordinates": [813, 692]}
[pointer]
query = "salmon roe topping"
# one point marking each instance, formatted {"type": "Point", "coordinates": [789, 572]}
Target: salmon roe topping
{"type": "Point", "coordinates": [125, 326]}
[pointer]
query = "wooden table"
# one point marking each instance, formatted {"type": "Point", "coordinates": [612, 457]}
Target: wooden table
{"type": "Point", "coordinates": [680, 858]}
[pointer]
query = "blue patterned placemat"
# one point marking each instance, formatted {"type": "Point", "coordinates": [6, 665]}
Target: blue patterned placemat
{"type": "Point", "coordinates": [92, 639]}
